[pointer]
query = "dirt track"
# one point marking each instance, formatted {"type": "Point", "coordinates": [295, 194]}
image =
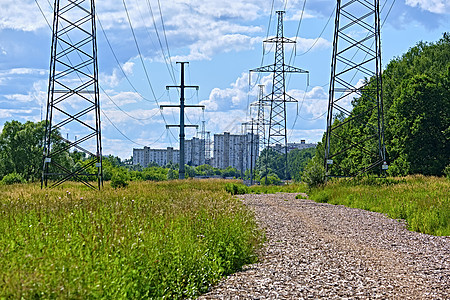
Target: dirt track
{"type": "Point", "coordinates": [323, 251]}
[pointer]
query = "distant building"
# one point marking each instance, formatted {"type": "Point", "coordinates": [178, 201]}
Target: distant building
{"type": "Point", "coordinates": [235, 151]}
{"type": "Point", "coordinates": [291, 146]}
{"type": "Point", "coordinates": [194, 154]}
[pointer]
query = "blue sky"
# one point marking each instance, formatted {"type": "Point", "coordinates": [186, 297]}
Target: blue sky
{"type": "Point", "coordinates": [222, 40]}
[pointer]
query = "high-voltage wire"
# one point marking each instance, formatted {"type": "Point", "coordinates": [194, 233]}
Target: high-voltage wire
{"type": "Point", "coordinates": [142, 60]}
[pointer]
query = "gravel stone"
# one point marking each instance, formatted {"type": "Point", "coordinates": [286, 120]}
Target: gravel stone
{"type": "Point", "coordinates": [316, 250]}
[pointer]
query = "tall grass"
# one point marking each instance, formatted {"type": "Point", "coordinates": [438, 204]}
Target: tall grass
{"type": "Point", "coordinates": [424, 202]}
{"type": "Point", "coordinates": [170, 239]}
{"type": "Point", "coordinates": [236, 188]}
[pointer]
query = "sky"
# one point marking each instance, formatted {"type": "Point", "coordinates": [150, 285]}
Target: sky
{"type": "Point", "coordinates": [221, 39]}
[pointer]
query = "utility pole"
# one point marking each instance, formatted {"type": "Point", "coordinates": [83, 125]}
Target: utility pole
{"type": "Point", "coordinates": [355, 57]}
{"type": "Point", "coordinates": [182, 106]}
{"type": "Point", "coordinates": [73, 101]}
{"type": "Point", "coordinates": [278, 98]}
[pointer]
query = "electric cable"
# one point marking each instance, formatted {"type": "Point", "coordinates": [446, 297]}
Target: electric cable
{"type": "Point", "coordinates": [171, 70]}
{"type": "Point", "coordinates": [142, 61]}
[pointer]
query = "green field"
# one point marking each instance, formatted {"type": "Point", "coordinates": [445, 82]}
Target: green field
{"type": "Point", "coordinates": [423, 201]}
{"type": "Point", "coordinates": [171, 239]}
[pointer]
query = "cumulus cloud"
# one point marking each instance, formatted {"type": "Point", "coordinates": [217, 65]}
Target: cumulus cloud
{"type": "Point", "coordinates": [24, 16]}
{"type": "Point", "coordinates": [434, 6]}
{"type": "Point", "coordinates": [236, 96]}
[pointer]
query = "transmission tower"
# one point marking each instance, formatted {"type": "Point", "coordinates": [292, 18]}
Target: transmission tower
{"type": "Point", "coordinates": [278, 98]}
{"type": "Point", "coordinates": [261, 121]}
{"type": "Point", "coordinates": [356, 55]}
{"type": "Point", "coordinates": [73, 95]}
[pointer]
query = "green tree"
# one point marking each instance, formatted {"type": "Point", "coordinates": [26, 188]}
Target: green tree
{"type": "Point", "coordinates": [420, 116]}
{"type": "Point", "coordinates": [21, 147]}
{"type": "Point", "coordinates": [297, 161]}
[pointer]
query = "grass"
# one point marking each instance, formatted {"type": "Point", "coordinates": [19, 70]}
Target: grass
{"type": "Point", "coordinates": [151, 240]}
{"type": "Point", "coordinates": [236, 188]}
{"type": "Point", "coordinates": [424, 202]}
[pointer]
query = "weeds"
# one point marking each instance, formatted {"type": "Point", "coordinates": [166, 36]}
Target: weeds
{"type": "Point", "coordinates": [151, 240]}
{"type": "Point", "coordinates": [424, 202]}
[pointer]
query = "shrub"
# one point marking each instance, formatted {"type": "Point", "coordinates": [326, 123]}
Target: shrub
{"type": "Point", "coordinates": [447, 171]}
{"type": "Point", "coordinates": [314, 174]}
{"type": "Point", "coordinates": [13, 178]}
{"type": "Point", "coordinates": [119, 180]}
{"type": "Point", "coordinates": [235, 189]}
{"type": "Point", "coordinates": [271, 179]}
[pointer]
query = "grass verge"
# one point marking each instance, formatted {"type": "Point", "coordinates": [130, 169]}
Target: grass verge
{"type": "Point", "coordinates": [151, 240]}
{"type": "Point", "coordinates": [424, 202]}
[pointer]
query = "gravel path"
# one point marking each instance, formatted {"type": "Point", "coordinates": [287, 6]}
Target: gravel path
{"type": "Point", "coordinates": [324, 251]}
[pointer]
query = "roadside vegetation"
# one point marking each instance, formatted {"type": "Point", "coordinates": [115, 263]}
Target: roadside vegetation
{"type": "Point", "coordinates": [423, 201]}
{"type": "Point", "coordinates": [170, 239]}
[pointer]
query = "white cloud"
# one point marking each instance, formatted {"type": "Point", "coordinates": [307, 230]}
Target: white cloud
{"type": "Point", "coordinates": [298, 14]}
{"type": "Point", "coordinates": [24, 16]}
{"type": "Point", "coordinates": [236, 96]}
{"type": "Point", "coordinates": [205, 49]}
{"type": "Point", "coordinates": [313, 102]}
{"type": "Point", "coordinates": [128, 67]}
{"type": "Point", "coordinates": [434, 6]}
{"type": "Point", "coordinates": [13, 113]}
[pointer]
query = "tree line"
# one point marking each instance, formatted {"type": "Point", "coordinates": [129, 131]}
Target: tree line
{"type": "Point", "coordinates": [416, 95]}
{"type": "Point", "coordinates": [21, 146]}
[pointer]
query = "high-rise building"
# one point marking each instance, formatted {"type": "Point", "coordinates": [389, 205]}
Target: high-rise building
{"type": "Point", "coordinates": [235, 150]}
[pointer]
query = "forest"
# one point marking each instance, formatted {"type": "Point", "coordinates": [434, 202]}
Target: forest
{"type": "Point", "coordinates": [416, 96]}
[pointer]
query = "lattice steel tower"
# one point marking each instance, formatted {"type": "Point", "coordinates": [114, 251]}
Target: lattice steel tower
{"type": "Point", "coordinates": [73, 95]}
{"type": "Point", "coordinates": [278, 98]}
{"type": "Point", "coordinates": [355, 136]}
{"type": "Point", "coordinates": [261, 121]}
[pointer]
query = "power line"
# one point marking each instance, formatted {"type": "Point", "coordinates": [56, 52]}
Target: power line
{"type": "Point", "coordinates": [165, 38]}
{"type": "Point", "coordinates": [320, 35]}
{"type": "Point", "coordinates": [169, 69]}
{"type": "Point", "coordinates": [142, 60]}
{"type": "Point", "coordinates": [119, 64]}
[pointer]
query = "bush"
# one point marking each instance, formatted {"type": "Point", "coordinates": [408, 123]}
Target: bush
{"type": "Point", "coordinates": [272, 179]}
{"type": "Point", "coordinates": [314, 174]}
{"type": "Point", "coordinates": [13, 178]}
{"type": "Point", "coordinates": [119, 180]}
{"type": "Point", "coordinates": [447, 171]}
{"type": "Point", "coordinates": [235, 189]}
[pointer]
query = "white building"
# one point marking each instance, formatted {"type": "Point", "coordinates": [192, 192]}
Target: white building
{"type": "Point", "coordinates": [292, 146]}
{"type": "Point", "coordinates": [235, 151]}
{"type": "Point", "coordinates": [194, 151]}
{"type": "Point", "coordinates": [194, 154]}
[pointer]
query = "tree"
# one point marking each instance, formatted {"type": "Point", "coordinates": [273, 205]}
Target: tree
{"type": "Point", "coordinates": [297, 161]}
{"type": "Point", "coordinates": [21, 147]}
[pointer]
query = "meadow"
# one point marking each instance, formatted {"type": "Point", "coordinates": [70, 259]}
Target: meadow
{"type": "Point", "coordinates": [169, 239]}
{"type": "Point", "coordinates": [423, 201]}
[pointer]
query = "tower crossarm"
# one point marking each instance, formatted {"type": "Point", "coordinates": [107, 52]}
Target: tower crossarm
{"type": "Point", "coordinates": [279, 39]}
{"type": "Point", "coordinates": [274, 68]}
